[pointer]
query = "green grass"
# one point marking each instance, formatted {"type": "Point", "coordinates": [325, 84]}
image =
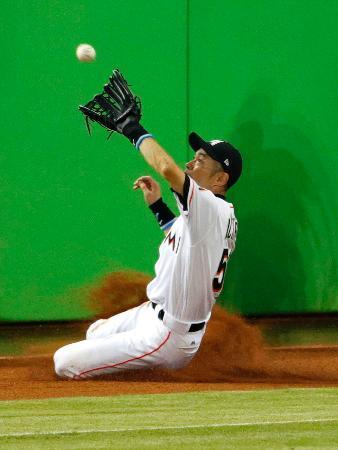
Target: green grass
{"type": "Point", "coordinates": [271, 419]}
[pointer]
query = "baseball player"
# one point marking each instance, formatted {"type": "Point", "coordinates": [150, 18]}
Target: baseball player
{"type": "Point", "coordinates": [167, 330]}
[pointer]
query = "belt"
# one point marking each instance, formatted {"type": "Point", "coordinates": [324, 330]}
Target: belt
{"type": "Point", "coordinates": [193, 326]}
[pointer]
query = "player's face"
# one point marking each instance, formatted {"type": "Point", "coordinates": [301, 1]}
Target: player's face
{"type": "Point", "coordinates": [202, 169]}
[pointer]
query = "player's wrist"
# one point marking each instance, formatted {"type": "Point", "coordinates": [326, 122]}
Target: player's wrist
{"type": "Point", "coordinates": [135, 132]}
{"type": "Point", "coordinates": [164, 216]}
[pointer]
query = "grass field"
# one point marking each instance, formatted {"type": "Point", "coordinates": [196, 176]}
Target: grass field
{"type": "Point", "coordinates": [269, 419]}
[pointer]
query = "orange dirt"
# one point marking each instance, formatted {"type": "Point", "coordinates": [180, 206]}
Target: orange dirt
{"type": "Point", "coordinates": [232, 356]}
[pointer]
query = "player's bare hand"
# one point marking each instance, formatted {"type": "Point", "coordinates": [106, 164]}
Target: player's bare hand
{"type": "Point", "coordinates": [150, 188]}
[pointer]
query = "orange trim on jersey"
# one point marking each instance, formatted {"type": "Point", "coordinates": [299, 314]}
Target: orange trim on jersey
{"type": "Point", "coordinates": [128, 360]}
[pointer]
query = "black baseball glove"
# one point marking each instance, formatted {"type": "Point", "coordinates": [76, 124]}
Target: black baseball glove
{"type": "Point", "coordinates": [116, 108]}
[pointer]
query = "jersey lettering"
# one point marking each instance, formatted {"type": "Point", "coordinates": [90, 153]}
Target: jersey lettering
{"type": "Point", "coordinates": [179, 241]}
{"type": "Point", "coordinates": [218, 281]}
{"type": "Point", "coordinates": [171, 241]}
{"type": "Point", "coordinates": [231, 232]}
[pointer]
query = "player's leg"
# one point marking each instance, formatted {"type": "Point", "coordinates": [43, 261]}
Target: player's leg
{"type": "Point", "coordinates": [141, 348]}
{"type": "Point", "coordinates": [149, 344]}
{"type": "Point", "coordinates": [119, 323]}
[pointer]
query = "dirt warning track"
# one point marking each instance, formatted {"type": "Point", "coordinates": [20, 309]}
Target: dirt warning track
{"type": "Point", "coordinates": [232, 356]}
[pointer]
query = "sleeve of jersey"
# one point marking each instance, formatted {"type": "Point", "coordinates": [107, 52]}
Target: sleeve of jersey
{"type": "Point", "coordinates": [198, 207]}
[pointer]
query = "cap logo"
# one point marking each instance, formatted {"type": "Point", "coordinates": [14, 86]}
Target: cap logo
{"type": "Point", "coordinates": [226, 162]}
{"type": "Point", "coordinates": [214, 142]}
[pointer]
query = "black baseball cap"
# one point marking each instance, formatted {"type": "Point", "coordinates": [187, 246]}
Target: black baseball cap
{"type": "Point", "coordinates": [223, 152]}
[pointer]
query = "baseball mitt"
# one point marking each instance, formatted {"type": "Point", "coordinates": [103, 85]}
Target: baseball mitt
{"type": "Point", "coordinates": [115, 107]}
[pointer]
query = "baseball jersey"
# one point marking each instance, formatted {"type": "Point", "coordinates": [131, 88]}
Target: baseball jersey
{"type": "Point", "coordinates": [190, 271]}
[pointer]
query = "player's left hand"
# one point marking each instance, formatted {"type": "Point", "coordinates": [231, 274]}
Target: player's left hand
{"type": "Point", "coordinates": [150, 188]}
{"type": "Point", "coordinates": [116, 108]}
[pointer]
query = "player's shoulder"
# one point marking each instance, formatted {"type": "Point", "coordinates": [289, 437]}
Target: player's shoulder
{"type": "Point", "coordinates": [225, 207]}
{"type": "Point", "coordinates": [219, 201]}
{"type": "Point", "coordinates": [228, 204]}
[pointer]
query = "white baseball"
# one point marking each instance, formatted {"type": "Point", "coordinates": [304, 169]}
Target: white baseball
{"type": "Point", "coordinates": [85, 53]}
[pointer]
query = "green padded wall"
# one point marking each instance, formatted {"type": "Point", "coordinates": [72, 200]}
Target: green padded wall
{"type": "Point", "coordinates": [69, 214]}
{"type": "Point", "coordinates": [264, 75]}
{"type": "Point", "coordinates": [261, 74]}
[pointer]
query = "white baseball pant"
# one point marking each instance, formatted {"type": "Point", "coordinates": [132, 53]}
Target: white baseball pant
{"type": "Point", "coordinates": [134, 339]}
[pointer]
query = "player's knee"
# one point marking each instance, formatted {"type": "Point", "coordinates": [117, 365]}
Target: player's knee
{"type": "Point", "coordinates": [63, 364]}
{"type": "Point", "coordinates": [59, 363]}
{"type": "Point", "coordinates": [93, 330]}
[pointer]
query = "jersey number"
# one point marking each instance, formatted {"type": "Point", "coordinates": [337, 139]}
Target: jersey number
{"type": "Point", "coordinates": [218, 281]}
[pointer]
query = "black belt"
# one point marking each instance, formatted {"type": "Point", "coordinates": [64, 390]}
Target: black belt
{"type": "Point", "coordinates": [193, 326]}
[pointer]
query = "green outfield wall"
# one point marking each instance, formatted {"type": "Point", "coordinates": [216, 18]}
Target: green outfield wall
{"type": "Point", "coordinates": [261, 74]}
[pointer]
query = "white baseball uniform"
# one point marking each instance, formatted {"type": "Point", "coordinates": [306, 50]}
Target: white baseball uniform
{"type": "Point", "coordinates": [167, 330]}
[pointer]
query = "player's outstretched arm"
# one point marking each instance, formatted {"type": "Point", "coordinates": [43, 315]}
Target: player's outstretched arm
{"type": "Point", "coordinates": [118, 109]}
{"type": "Point", "coordinates": [163, 163]}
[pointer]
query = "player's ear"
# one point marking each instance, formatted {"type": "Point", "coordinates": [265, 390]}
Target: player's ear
{"type": "Point", "coordinates": [222, 178]}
